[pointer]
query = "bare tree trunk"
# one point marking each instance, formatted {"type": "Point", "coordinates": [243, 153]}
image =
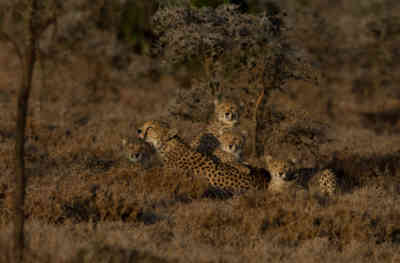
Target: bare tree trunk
{"type": "Point", "coordinates": [22, 107]}
{"type": "Point", "coordinates": [274, 81]}
{"type": "Point", "coordinates": [257, 119]}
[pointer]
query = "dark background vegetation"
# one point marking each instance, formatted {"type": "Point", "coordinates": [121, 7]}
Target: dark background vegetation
{"type": "Point", "coordinates": [334, 100]}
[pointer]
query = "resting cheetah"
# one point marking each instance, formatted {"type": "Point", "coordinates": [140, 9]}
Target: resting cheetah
{"type": "Point", "coordinates": [226, 117]}
{"type": "Point", "coordinates": [231, 147]}
{"type": "Point", "coordinates": [284, 175]}
{"type": "Point", "coordinates": [226, 114]}
{"type": "Point", "coordinates": [138, 152]}
{"type": "Point", "coordinates": [175, 153]}
{"type": "Point", "coordinates": [281, 174]}
{"type": "Point", "coordinates": [230, 150]}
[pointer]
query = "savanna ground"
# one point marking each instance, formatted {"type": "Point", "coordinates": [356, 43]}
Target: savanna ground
{"type": "Point", "coordinates": [86, 203]}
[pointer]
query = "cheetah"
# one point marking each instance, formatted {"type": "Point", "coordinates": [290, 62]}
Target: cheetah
{"type": "Point", "coordinates": [281, 174]}
{"type": "Point", "coordinates": [226, 117]}
{"type": "Point", "coordinates": [175, 153]}
{"type": "Point", "coordinates": [284, 176]}
{"type": "Point", "coordinates": [327, 181]}
{"type": "Point", "coordinates": [230, 150]}
{"type": "Point", "coordinates": [231, 147]}
{"type": "Point", "coordinates": [139, 152]}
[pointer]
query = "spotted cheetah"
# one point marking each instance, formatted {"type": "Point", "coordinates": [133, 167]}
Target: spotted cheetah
{"type": "Point", "coordinates": [281, 171]}
{"type": "Point", "coordinates": [285, 176]}
{"type": "Point", "coordinates": [231, 147]}
{"type": "Point", "coordinates": [175, 153]}
{"type": "Point", "coordinates": [230, 150]}
{"type": "Point", "coordinates": [138, 152]}
{"type": "Point", "coordinates": [327, 181]}
{"type": "Point", "coordinates": [226, 117]}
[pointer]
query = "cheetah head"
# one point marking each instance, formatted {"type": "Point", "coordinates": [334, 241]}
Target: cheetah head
{"type": "Point", "coordinates": [227, 113]}
{"type": "Point", "coordinates": [232, 143]}
{"type": "Point", "coordinates": [137, 151]}
{"type": "Point", "coordinates": [156, 133]}
{"type": "Point", "coordinates": [279, 169]}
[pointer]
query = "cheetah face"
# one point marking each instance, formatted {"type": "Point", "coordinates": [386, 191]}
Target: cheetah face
{"type": "Point", "coordinates": [137, 151]}
{"type": "Point", "coordinates": [232, 143]}
{"type": "Point", "coordinates": [136, 157]}
{"type": "Point", "coordinates": [156, 133]}
{"type": "Point", "coordinates": [279, 169]}
{"type": "Point", "coordinates": [227, 113]}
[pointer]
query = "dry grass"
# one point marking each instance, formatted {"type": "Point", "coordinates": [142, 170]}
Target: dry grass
{"type": "Point", "coordinates": [86, 203]}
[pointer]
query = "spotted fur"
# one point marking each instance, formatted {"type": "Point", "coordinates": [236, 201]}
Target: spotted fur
{"type": "Point", "coordinates": [327, 181]}
{"type": "Point", "coordinates": [280, 171]}
{"type": "Point", "coordinates": [230, 150]}
{"type": "Point", "coordinates": [175, 153]}
{"type": "Point", "coordinates": [231, 147]}
{"type": "Point", "coordinates": [284, 175]}
{"type": "Point", "coordinates": [226, 117]}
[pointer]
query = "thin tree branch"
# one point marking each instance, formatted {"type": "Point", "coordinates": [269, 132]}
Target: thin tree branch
{"type": "Point", "coordinates": [6, 37]}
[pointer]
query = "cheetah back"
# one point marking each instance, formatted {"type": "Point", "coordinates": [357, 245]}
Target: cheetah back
{"type": "Point", "coordinates": [223, 176]}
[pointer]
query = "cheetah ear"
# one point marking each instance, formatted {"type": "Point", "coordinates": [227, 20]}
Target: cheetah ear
{"type": "Point", "coordinates": [172, 132]}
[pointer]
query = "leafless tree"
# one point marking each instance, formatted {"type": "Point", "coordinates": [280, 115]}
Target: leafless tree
{"type": "Point", "coordinates": [23, 18]}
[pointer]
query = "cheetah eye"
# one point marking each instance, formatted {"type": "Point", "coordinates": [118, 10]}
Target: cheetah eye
{"type": "Point", "coordinates": [138, 155]}
{"type": "Point", "coordinates": [281, 174]}
{"type": "Point", "coordinates": [227, 114]}
{"type": "Point", "coordinates": [139, 131]}
{"type": "Point", "coordinates": [230, 146]}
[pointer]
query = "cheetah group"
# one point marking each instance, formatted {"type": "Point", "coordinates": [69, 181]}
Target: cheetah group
{"type": "Point", "coordinates": [217, 155]}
